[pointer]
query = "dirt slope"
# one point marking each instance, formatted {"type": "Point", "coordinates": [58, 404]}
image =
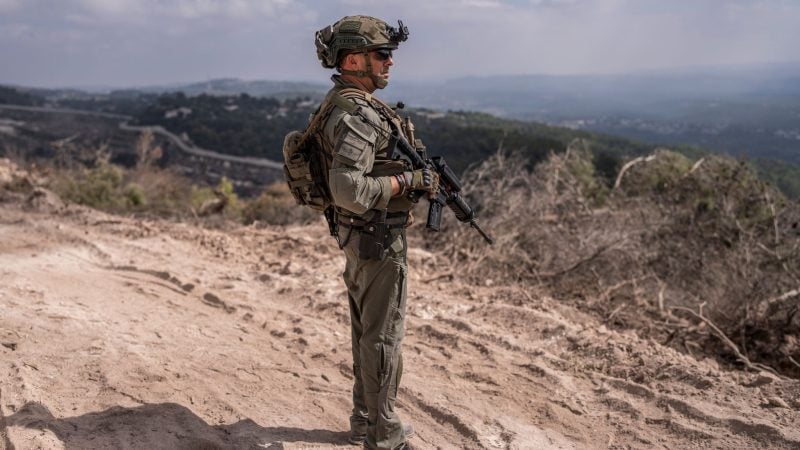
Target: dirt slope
{"type": "Point", "coordinates": [120, 333]}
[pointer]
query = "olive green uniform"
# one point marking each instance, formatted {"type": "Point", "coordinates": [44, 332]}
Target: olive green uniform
{"type": "Point", "coordinates": [360, 187]}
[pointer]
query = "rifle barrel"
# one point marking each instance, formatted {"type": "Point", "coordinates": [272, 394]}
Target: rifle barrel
{"type": "Point", "coordinates": [475, 225]}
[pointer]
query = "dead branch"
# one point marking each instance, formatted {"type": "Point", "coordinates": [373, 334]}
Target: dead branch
{"type": "Point", "coordinates": [696, 165]}
{"type": "Point", "coordinates": [628, 165]}
{"type": "Point", "coordinates": [774, 217]}
{"type": "Point", "coordinates": [591, 257]}
{"type": "Point", "coordinates": [615, 311]}
{"type": "Point", "coordinates": [793, 361]}
{"type": "Point", "coordinates": [448, 275]}
{"type": "Point", "coordinates": [733, 347]}
{"type": "Point", "coordinates": [768, 304]}
{"type": "Point", "coordinates": [526, 294]}
{"type": "Point", "coordinates": [607, 293]}
{"type": "Point", "coordinates": [661, 298]}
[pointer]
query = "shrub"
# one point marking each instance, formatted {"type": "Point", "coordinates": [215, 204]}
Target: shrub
{"type": "Point", "coordinates": [656, 174]}
{"type": "Point", "coordinates": [111, 188]}
{"type": "Point", "coordinates": [99, 187]}
{"type": "Point", "coordinates": [276, 206]}
{"type": "Point", "coordinates": [708, 236]}
{"type": "Point", "coordinates": [134, 195]}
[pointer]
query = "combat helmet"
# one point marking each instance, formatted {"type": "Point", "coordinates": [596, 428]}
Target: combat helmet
{"type": "Point", "coordinates": [356, 34]}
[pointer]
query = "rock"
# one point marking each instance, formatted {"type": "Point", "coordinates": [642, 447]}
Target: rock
{"type": "Point", "coordinates": [763, 379]}
{"type": "Point", "coordinates": [712, 364]}
{"type": "Point", "coordinates": [42, 199]}
{"type": "Point", "coordinates": [776, 402]}
{"type": "Point", "coordinates": [8, 171]}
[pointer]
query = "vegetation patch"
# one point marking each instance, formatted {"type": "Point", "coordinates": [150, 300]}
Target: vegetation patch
{"type": "Point", "coordinates": [700, 254]}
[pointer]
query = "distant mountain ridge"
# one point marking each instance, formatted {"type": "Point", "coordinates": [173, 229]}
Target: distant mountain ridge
{"type": "Point", "coordinates": [256, 88]}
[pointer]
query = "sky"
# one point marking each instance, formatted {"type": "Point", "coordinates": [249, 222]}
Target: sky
{"type": "Point", "coordinates": [125, 43]}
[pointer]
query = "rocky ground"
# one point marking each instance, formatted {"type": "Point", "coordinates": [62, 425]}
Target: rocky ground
{"type": "Point", "coordinates": [132, 334]}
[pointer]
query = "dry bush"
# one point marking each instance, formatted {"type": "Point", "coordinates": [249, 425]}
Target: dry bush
{"type": "Point", "coordinates": [728, 250]}
{"type": "Point", "coordinates": [536, 217]}
{"type": "Point", "coordinates": [165, 193]}
{"type": "Point", "coordinates": [677, 249]}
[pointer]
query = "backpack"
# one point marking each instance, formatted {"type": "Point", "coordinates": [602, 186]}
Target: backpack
{"type": "Point", "coordinates": [303, 164]}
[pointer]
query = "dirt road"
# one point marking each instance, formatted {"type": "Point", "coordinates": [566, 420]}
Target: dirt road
{"type": "Point", "coordinates": [130, 334]}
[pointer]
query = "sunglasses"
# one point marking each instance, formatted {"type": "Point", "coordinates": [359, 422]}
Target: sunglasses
{"type": "Point", "coordinates": [382, 54]}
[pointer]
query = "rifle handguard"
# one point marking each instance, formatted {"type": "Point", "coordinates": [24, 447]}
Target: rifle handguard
{"type": "Point", "coordinates": [449, 188]}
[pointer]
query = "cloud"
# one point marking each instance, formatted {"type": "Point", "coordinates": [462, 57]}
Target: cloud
{"type": "Point", "coordinates": [110, 7]}
{"type": "Point", "coordinates": [14, 30]}
{"type": "Point", "coordinates": [182, 9]}
{"type": "Point", "coordinates": [483, 3]}
{"type": "Point", "coordinates": [9, 5]}
{"type": "Point", "coordinates": [147, 41]}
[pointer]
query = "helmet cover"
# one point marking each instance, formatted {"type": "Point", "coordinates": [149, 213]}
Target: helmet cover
{"type": "Point", "coordinates": [356, 34]}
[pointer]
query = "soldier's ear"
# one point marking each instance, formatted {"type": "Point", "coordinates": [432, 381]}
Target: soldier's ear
{"type": "Point", "coordinates": [350, 61]}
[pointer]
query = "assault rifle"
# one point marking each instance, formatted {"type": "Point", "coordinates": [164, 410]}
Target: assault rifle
{"type": "Point", "coordinates": [449, 192]}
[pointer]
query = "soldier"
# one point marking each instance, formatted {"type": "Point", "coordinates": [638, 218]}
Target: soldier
{"type": "Point", "coordinates": [370, 195]}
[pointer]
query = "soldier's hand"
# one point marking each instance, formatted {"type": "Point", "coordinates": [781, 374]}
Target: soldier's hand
{"type": "Point", "coordinates": [422, 180]}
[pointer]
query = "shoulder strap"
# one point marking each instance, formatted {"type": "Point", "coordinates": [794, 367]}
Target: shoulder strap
{"type": "Point", "coordinates": [342, 99]}
{"type": "Point", "coordinates": [324, 109]}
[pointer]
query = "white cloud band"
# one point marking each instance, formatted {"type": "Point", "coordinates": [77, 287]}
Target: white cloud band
{"type": "Point", "coordinates": [180, 9]}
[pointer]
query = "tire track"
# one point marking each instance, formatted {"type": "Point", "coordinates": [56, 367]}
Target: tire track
{"type": "Point", "coordinates": [441, 415]}
{"type": "Point", "coordinates": [685, 419]}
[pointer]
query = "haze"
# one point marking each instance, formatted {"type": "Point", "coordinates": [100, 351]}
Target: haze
{"type": "Point", "coordinates": [119, 43]}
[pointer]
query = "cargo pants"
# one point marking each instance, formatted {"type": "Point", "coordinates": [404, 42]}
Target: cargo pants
{"type": "Point", "coordinates": [377, 297]}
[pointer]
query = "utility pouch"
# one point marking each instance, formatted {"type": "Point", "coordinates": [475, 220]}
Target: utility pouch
{"type": "Point", "coordinates": [373, 240]}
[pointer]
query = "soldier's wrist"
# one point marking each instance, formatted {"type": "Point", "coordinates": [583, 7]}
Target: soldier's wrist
{"type": "Point", "coordinates": [402, 184]}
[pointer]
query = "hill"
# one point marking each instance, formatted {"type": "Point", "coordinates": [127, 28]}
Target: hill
{"type": "Point", "coordinates": [247, 125]}
{"type": "Point", "coordinates": [238, 338]}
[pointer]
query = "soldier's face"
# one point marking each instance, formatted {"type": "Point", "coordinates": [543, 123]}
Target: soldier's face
{"type": "Point", "coordinates": [378, 65]}
{"type": "Point", "coordinates": [381, 62]}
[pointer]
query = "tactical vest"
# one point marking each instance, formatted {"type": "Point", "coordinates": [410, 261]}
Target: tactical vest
{"type": "Point", "coordinates": [308, 158]}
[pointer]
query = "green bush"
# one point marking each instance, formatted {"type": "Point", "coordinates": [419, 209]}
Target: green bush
{"type": "Point", "coordinates": [134, 196]}
{"type": "Point", "coordinates": [580, 164]}
{"type": "Point", "coordinates": [656, 176]}
{"type": "Point", "coordinates": [99, 187]}
{"type": "Point", "coordinates": [276, 206]}
{"type": "Point", "coordinates": [113, 189]}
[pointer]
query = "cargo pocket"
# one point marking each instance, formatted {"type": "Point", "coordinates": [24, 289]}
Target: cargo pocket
{"type": "Point", "coordinates": [398, 244]}
{"type": "Point", "coordinates": [385, 364]}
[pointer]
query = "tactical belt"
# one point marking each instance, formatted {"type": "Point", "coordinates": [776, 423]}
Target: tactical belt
{"type": "Point", "coordinates": [393, 220]}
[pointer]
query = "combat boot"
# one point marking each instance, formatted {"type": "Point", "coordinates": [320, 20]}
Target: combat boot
{"type": "Point", "coordinates": [359, 438]}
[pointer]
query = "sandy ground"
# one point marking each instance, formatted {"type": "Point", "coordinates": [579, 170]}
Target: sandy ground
{"type": "Point", "coordinates": [130, 334]}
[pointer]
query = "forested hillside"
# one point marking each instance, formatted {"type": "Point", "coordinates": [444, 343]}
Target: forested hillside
{"type": "Point", "coordinates": [254, 126]}
{"type": "Point", "coordinates": [247, 125]}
